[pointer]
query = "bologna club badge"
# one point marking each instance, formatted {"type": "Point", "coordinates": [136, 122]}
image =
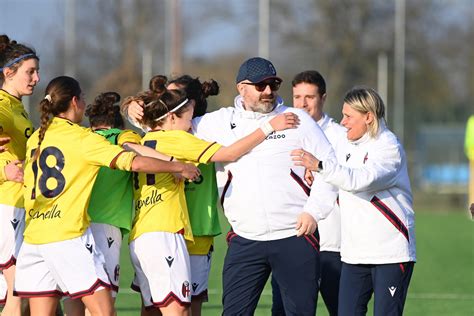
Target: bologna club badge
{"type": "Point", "coordinates": [116, 272]}
{"type": "Point", "coordinates": [185, 289]}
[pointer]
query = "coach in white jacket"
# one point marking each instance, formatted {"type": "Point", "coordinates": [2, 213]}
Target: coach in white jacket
{"type": "Point", "coordinates": [378, 229]}
{"type": "Point", "coordinates": [273, 213]}
{"type": "Point", "coordinates": [309, 94]}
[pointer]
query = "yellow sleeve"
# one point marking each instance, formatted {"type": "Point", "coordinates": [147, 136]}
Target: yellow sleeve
{"type": "Point", "coordinates": [97, 150]}
{"type": "Point", "coordinates": [190, 148]}
{"type": "Point", "coordinates": [128, 136]}
{"type": "Point", "coordinates": [123, 161]}
{"type": "Point", "coordinates": [207, 154]}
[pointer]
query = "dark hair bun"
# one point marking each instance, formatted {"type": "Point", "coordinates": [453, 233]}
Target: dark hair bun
{"type": "Point", "coordinates": [104, 104]}
{"type": "Point", "coordinates": [158, 84]}
{"type": "Point", "coordinates": [210, 87]}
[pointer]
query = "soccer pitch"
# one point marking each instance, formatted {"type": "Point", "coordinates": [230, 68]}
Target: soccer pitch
{"type": "Point", "coordinates": [442, 282]}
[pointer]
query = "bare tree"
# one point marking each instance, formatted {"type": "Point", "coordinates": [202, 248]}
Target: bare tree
{"type": "Point", "coordinates": [112, 36]}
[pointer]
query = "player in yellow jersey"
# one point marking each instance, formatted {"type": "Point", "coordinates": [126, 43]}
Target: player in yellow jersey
{"type": "Point", "coordinates": [58, 256]}
{"type": "Point", "coordinates": [201, 196]}
{"type": "Point", "coordinates": [111, 202]}
{"type": "Point", "coordinates": [19, 67]}
{"type": "Point", "coordinates": [161, 225]}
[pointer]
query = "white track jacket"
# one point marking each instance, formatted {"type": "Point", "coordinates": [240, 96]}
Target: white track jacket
{"type": "Point", "coordinates": [263, 193]}
{"type": "Point", "coordinates": [377, 218]}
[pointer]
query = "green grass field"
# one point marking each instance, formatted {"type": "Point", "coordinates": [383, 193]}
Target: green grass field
{"type": "Point", "coordinates": [442, 283]}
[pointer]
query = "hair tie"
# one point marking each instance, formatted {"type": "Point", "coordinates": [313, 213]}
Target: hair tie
{"type": "Point", "coordinates": [48, 97]}
{"type": "Point", "coordinates": [176, 108]}
{"type": "Point", "coordinates": [149, 104]}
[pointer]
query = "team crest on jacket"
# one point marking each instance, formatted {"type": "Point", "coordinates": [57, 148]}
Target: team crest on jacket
{"type": "Point", "coordinates": [185, 289]}
{"type": "Point", "coordinates": [117, 272]}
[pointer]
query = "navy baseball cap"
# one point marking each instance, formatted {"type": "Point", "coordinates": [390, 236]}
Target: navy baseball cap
{"type": "Point", "coordinates": [256, 69]}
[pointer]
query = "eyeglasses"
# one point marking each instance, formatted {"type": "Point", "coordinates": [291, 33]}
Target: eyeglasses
{"type": "Point", "coordinates": [261, 86]}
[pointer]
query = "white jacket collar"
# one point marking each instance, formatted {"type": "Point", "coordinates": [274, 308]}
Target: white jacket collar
{"type": "Point", "coordinates": [324, 121]}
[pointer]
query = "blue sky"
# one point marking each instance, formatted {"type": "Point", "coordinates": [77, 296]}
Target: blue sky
{"type": "Point", "coordinates": [28, 21]}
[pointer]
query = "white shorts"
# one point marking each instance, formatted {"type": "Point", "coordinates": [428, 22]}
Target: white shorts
{"type": "Point", "coordinates": [200, 269]}
{"type": "Point", "coordinates": [162, 271]}
{"type": "Point", "coordinates": [108, 240]}
{"type": "Point", "coordinates": [3, 289]}
{"type": "Point", "coordinates": [73, 267]}
{"type": "Point", "coordinates": [12, 225]}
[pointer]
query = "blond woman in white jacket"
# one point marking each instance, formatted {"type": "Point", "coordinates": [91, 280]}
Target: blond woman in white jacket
{"type": "Point", "coordinates": [377, 218]}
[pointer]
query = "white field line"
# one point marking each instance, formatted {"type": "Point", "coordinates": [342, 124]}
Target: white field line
{"type": "Point", "coordinates": [416, 296]}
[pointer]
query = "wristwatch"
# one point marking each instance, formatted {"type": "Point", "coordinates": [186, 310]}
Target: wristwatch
{"type": "Point", "coordinates": [320, 165]}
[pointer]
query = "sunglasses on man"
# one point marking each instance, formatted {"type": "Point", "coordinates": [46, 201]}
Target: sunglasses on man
{"type": "Point", "coordinates": [274, 85]}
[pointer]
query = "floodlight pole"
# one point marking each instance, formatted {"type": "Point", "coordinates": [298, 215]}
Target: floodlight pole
{"type": "Point", "coordinates": [382, 79]}
{"type": "Point", "coordinates": [167, 46]}
{"type": "Point", "coordinates": [173, 37]}
{"type": "Point", "coordinates": [263, 28]}
{"type": "Point", "coordinates": [399, 80]}
{"type": "Point", "coordinates": [147, 64]}
{"type": "Point", "coordinates": [70, 38]}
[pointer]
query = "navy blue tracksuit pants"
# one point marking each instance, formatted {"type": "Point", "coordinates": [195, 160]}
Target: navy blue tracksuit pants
{"type": "Point", "coordinates": [388, 282]}
{"type": "Point", "coordinates": [329, 286]}
{"type": "Point", "coordinates": [293, 261]}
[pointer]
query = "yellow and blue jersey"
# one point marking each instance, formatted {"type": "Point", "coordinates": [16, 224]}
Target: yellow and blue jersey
{"type": "Point", "coordinates": [160, 204]}
{"type": "Point", "coordinates": [58, 183]}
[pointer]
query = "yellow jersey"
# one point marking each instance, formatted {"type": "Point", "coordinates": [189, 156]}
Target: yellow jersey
{"type": "Point", "coordinates": [59, 182]}
{"type": "Point", "coordinates": [160, 203]}
{"type": "Point", "coordinates": [14, 123]}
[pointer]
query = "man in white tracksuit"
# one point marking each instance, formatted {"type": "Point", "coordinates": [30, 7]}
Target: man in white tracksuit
{"type": "Point", "coordinates": [377, 219]}
{"type": "Point", "coordinates": [273, 213]}
{"type": "Point", "coordinates": [309, 94]}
